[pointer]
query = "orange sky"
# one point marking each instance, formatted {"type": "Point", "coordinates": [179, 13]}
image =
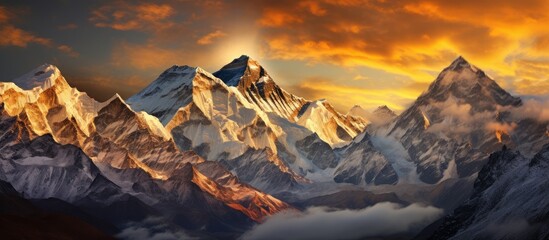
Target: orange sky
{"type": "Point", "coordinates": [351, 52]}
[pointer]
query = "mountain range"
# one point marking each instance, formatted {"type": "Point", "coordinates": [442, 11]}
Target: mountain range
{"type": "Point", "coordinates": [215, 154]}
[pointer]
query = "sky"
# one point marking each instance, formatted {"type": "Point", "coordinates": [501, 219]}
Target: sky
{"type": "Point", "coordinates": [365, 52]}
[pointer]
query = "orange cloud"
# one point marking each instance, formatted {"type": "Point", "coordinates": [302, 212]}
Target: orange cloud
{"type": "Point", "coordinates": [13, 36]}
{"type": "Point", "coordinates": [277, 18]}
{"type": "Point", "coordinates": [17, 37]}
{"type": "Point", "coordinates": [313, 7]}
{"type": "Point", "coordinates": [125, 16]}
{"type": "Point", "coordinates": [4, 14]}
{"type": "Point", "coordinates": [209, 38]}
{"type": "Point", "coordinates": [418, 38]}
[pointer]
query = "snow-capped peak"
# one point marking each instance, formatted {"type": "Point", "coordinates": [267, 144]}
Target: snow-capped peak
{"type": "Point", "coordinates": [384, 110]}
{"type": "Point", "coordinates": [233, 72]}
{"type": "Point", "coordinates": [44, 76]}
{"type": "Point", "coordinates": [116, 97]}
{"type": "Point", "coordinates": [462, 72]}
{"type": "Point", "coordinates": [470, 84]}
{"type": "Point", "coordinates": [358, 111]}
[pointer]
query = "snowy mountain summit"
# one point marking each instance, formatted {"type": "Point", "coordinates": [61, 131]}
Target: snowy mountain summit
{"type": "Point", "coordinates": [216, 154]}
{"type": "Point", "coordinates": [470, 85]}
{"type": "Point", "coordinates": [42, 77]}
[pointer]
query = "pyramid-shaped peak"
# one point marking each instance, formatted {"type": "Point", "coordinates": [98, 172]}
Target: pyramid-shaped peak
{"type": "Point", "coordinates": [241, 61]}
{"type": "Point", "coordinates": [383, 108]}
{"type": "Point", "coordinates": [242, 58]}
{"type": "Point", "coordinates": [44, 76]}
{"type": "Point", "coordinates": [115, 100]}
{"type": "Point", "coordinates": [460, 63]}
{"type": "Point", "coordinates": [464, 81]}
{"type": "Point", "coordinates": [460, 60]}
{"type": "Point", "coordinates": [233, 72]}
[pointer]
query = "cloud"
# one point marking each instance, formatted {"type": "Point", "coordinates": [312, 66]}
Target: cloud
{"type": "Point", "coordinates": [124, 16]}
{"type": "Point", "coordinates": [68, 50]}
{"type": "Point", "coordinates": [412, 40]}
{"type": "Point", "coordinates": [501, 127]}
{"type": "Point", "coordinates": [4, 14]}
{"type": "Point", "coordinates": [154, 228]}
{"type": "Point", "coordinates": [17, 37]}
{"type": "Point", "coordinates": [13, 36]}
{"type": "Point", "coordinates": [416, 39]}
{"type": "Point", "coordinates": [209, 38]}
{"type": "Point", "coordinates": [532, 76]}
{"type": "Point", "coordinates": [313, 7]}
{"type": "Point", "coordinates": [537, 109]}
{"type": "Point", "coordinates": [276, 18]}
{"type": "Point", "coordinates": [382, 219]}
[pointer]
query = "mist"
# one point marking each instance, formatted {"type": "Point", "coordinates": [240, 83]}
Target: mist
{"type": "Point", "coordinates": [382, 219]}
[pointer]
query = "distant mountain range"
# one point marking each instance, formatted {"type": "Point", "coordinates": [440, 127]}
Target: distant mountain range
{"type": "Point", "coordinates": [215, 154]}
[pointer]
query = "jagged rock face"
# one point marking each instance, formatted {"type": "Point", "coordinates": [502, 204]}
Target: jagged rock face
{"type": "Point", "coordinates": [221, 184]}
{"type": "Point", "coordinates": [321, 153]}
{"type": "Point", "coordinates": [242, 110]}
{"type": "Point", "coordinates": [210, 112]}
{"type": "Point", "coordinates": [218, 122]}
{"type": "Point", "coordinates": [41, 168]}
{"type": "Point", "coordinates": [129, 147]}
{"type": "Point", "coordinates": [362, 163]}
{"type": "Point", "coordinates": [457, 122]}
{"type": "Point", "coordinates": [255, 84]}
{"type": "Point", "coordinates": [174, 84]}
{"type": "Point", "coordinates": [259, 89]}
{"type": "Point", "coordinates": [259, 169]}
{"type": "Point", "coordinates": [380, 116]}
{"type": "Point", "coordinates": [509, 201]}
{"type": "Point", "coordinates": [133, 140]}
{"type": "Point", "coordinates": [52, 106]}
{"type": "Point", "coordinates": [108, 132]}
{"type": "Point", "coordinates": [330, 126]}
{"type": "Point", "coordinates": [383, 114]}
{"type": "Point", "coordinates": [469, 84]}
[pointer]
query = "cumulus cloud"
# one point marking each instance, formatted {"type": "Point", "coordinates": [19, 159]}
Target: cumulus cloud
{"type": "Point", "coordinates": [382, 219]}
{"type": "Point", "coordinates": [153, 228]}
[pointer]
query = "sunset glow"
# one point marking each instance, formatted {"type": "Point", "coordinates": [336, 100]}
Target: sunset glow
{"type": "Point", "coordinates": [373, 52]}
